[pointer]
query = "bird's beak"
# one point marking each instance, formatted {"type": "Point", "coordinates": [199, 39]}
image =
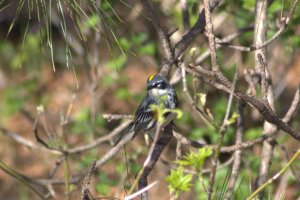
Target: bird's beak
{"type": "Point", "coordinates": [149, 87]}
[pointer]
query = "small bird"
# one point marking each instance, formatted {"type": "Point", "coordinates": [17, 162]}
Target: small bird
{"type": "Point", "coordinates": [158, 90]}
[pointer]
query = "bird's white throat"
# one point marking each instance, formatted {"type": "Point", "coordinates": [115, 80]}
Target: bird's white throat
{"type": "Point", "coordinates": [155, 92]}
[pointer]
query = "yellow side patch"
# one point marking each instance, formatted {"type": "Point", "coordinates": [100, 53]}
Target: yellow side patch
{"type": "Point", "coordinates": [151, 77]}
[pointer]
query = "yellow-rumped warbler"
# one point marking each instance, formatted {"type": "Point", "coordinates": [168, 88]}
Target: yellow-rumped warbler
{"type": "Point", "coordinates": [159, 89]}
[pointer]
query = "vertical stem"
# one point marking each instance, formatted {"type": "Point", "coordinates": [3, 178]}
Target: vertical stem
{"type": "Point", "coordinates": [66, 169]}
{"type": "Point", "coordinates": [237, 154]}
{"type": "Point", "coordinates": [211, 36]}
{"type": "Point", "coordinates": [222, 131]}
{"type": "Point", "coordinates": [260, 34]}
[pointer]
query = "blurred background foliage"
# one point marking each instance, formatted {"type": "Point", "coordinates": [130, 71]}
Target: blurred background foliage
{"type": "Point", "coordinates": [95, 56]}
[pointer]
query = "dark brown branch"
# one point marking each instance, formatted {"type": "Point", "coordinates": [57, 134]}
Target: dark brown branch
{"type": "Point", "coordinates": [268, 115]}
{"type": "Point", "coordinates": [194, 31]}
{"type": "Point", "coordinates": [86, 184]}
{"type": "Point", "coordinates": [211, 37]}
{"type": "Point", "coordinates": [162, 142]}
{"type": "Point", "coordinates": [163, 38]}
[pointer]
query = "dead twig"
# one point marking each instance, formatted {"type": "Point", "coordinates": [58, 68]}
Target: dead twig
{"type": "Point", "coordinates": [211, 37]}
{"type": "Point", "coordinates": [86, 184]}
{"type": "Point", "coordinates": [161, 143]}
{"type": "Point", "coordinates": [222, 131]}
{"type": "Point", "coordinates": [274, 178]}
{"type": "Point", "coordinates": [268, 115]}
{"type": "Point", "coordinates": [237, 154]}
{"type": "Point", "coordinates": [163, 38]}
{"type": "Point", "coordinates": [284, 23]}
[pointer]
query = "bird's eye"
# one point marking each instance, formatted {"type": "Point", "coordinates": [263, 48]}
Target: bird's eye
{"type": "Point", "coordinates": [161, 85]}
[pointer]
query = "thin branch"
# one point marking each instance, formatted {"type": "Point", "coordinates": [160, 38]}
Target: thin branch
{"type": "Point", "coordinates": [151, 185]}
{"type": "Point", "coordinates": [284, 23]}
{"type": "Point", "coordinates": [293, 107]}
{"type": "Point", "coordinates": [162, 142]}
{"type": "Point", "coordinates": [211, 37]}
{"type": "Point", "coordinates": [20, 178]}
{"type": "Point", "coordinates": [268, 115]}
{"type": "Point", "coordinates": [194, 31]}
{"type": "Point", "coordinates": [111, 117]}
{"type": "Point", "coordinates": [266, 88]}
{"type": "Point", "coordinates": [163, 38]}
{"type": "Point", "coordinates": [226, 39]}
{"type": "Point", "coordinates": [27, 143]}
{"type": "Point", "coordinates": [274, 178]}
{"type": "Point", "coordinates": [100, 140]}
{"type": "Point", "coordinates": [56, 166]}
{"type": "Point", "coordinates": [237, 154]}
{"type": "Point", "coordinates": [221, 138]}
{"type": "Point", "coordinates": [146, 162]}
{"type": "Point", "coordinates": [86, 184]}
{"type": "Point", "coordinates": [185, 14]}
{"type": "Point", "coordinates": [294, 171]}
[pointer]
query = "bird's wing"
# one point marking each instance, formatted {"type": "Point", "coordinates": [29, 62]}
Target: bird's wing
{"type": "Point", "coordinates": [144, 116]}
{"type": "Point", "coordinates": [143, 119]}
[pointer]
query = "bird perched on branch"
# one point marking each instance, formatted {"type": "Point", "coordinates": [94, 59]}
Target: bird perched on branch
{"type": "Point", "coordinates": [159, 92]}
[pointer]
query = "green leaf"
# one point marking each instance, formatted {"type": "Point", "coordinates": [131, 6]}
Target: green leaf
{"type": "Point", "coordinates": [232, 119]}
{"type": "Point", "coordinates": [196, 160]}
{"type": "Point", "coordinates": [202, 98]}
{"type": "Point", "coordinates": [178, 181]}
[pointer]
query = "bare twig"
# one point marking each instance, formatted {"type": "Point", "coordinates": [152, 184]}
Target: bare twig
{"type": "Point", "coordinates": [284, 23]}
{"type": "Point", "coordinates": [27, 143]}
{"type": "Point", "coordinates": [86, 184]}
{"type": "Point", "coordinates": [163, 140]}
{"type": "Point", "coordinates": [100, 140]}
{"type": "Point", "coordinates": [268, 115]}
{"type": "Point", "coordinates": [222, 131]}
{"type": "Point", "coordinates": [141, 191]}
{"type": "Point", "coordinates": [57, 164]}
{"type": "Point", "coordinates": [163, 37]}
{"type": "Point", "coordinates": [237, 154]}
{"type": "Point", "coordinates": [293, 107]}
{"type": "Point", "coordinates": [294, 171]}
{"type": "Point", "coordinates": [185, 14]}
{"type": "Point", "coordinates": [282, 187]}
{"type": "Point", "coordinates": [20, 178]}
{"type": "Point", "coordinates": [271, 180]}
{"type": "Point", "coordinates": [114, 150]}
{"type": "Point", "coordinates": [146, 162]}
{"type": "Point", "coordinates": [211, 37]}
{"type": "Point", "coordinates": [194, 31]}
{"type": "Point", "coordinates": [111, 117]}
{"type": "Point", "coordinates": [260, 29]}
{"type": "Point", "coordinates": [226, 39]}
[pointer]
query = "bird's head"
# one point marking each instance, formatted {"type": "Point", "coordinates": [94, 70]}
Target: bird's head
{"type": "Point", "coordinates": [157, 85]}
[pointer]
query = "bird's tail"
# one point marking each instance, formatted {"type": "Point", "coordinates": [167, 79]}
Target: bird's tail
{"type": "Point", "coordinates": [127, 130]}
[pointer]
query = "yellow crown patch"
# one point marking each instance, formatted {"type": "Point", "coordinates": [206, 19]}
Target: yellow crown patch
{"type": "Point", "coordinates": [151, 77]}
